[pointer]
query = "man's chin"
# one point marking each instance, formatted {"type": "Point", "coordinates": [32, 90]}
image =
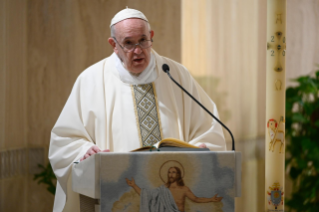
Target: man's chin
{"type": "Point", "coordinates": [172, 180]}
{"type": "Point", "coordinates": [136, 73]}
{"type": "Point", "coordinates": [137, 70]}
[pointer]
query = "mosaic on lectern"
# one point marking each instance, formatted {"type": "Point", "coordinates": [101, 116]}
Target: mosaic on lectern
{"type": "Point", "coordinates": [160, 182]}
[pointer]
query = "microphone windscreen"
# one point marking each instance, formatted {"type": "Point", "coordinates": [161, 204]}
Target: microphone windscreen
{"type": "Point", "coordinates": [165, 68]}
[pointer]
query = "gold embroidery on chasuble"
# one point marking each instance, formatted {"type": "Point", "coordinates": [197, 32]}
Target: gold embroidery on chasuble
{"type": "Point", "coordinates": [148, 120]}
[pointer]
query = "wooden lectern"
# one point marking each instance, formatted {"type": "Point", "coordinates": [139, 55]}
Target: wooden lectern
{"type": "Point", "coordinates": [158, 181]}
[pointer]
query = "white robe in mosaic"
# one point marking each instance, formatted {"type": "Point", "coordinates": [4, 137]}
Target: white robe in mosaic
{"type": "Point", "coordinates": [159, 200]}
{"type": "Point", "coordinates": [100, 111]}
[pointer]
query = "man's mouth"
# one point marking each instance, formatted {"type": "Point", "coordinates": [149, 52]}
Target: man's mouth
{"type": "Point", "coordinates": [138, 60]}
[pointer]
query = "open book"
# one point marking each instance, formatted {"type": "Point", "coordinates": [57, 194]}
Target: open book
{"type": "Point", "coordinates": [171, 144]}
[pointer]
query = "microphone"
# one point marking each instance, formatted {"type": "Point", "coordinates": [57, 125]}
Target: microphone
{"type": "Point", "coordinates": [165, 68]}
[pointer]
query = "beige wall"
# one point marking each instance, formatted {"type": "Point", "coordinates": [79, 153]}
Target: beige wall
{"type": "Point", "coordinates": [224, 47]}
{"type": "Point", "coordinates": [13, 96]}
{"type": "Point", "coordinates": [44, 46]}
{"type": "Point", "coordinates": [13, 74]}
{"type": "Point", "coordinates": [302, 38]}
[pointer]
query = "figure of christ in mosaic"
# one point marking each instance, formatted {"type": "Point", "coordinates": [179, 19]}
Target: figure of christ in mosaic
{"type": "Point", "coordinates": [170, 196]}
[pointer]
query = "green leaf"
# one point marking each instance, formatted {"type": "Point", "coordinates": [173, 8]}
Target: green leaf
{"type": "Point", "coordinates": [46, 177]}
{"type": "Point", "coordinates": [317, 123]}
{"type": "Point", "coordinates": [302, 79]}
{"type": "Point", "coordinates": [302, 131]}
{"type": "Point", "coordinates": [294, 172]}
{"type": "Point", "coordinates": [298, 117]}
{"type": "Point", "coordinates": [291, 92]}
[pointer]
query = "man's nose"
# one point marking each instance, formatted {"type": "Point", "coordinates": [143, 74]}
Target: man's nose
{"type": "Point", "coordinates": [138, 49]}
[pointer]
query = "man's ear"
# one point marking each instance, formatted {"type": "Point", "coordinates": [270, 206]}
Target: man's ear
{"type": "Point", "coordinates": [152, 33]}
{"type": "Point", "coordinates": [113, 44]}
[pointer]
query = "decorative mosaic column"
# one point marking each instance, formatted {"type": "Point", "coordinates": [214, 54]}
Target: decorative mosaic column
{"type": "Point", "coordinates": [275, 105]}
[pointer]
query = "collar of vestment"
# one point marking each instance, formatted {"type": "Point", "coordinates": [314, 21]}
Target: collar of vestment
{"type": "Point", "coordinates": [147, 76]}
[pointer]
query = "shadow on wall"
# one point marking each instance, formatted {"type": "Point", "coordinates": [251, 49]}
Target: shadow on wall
{"type": "Point", "coordinates": [210, 86]}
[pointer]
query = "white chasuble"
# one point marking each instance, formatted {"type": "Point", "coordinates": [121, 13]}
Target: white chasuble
{"type": "Point", "coordinates": [102, 111]}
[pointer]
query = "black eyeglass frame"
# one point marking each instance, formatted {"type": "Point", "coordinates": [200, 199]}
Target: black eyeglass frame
{"type": "Point", "coordinates": [134, 45]}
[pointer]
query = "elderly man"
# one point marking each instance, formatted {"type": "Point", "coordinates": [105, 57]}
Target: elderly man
{"type": "Point", "coordinates": [125, 101]}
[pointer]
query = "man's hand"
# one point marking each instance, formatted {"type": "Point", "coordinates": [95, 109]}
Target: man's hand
{"type": "Point", "coordinates": [133, 185]}
{"type": "Point", "coordinates": [93, 150]}
{"type": "Point", "coordinates": [216, 199]}
{"type": "Point", "coordinates": [130, 182]}
{"type": "Point", "coordinates": [202, 146]}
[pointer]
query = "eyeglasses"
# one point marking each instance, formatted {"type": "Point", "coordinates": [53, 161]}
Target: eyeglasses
{"type": "Point", "coordinates": [129, 47]}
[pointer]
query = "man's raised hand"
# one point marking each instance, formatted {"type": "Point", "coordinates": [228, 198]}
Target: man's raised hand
{"type": "Point", "coordinates": [133, 185]}
{"type": "Point", "coordinates": [216, 199]}
{"type": "Point", "coordinates": [93, 150]}
{"type": "Point", "coordinates": [130, 182]}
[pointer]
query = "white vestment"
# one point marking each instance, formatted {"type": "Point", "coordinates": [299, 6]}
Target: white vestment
{"type": "Point", "coordinates": [100, 111]}
{"type": "Point", "coordinates": [159, 200]}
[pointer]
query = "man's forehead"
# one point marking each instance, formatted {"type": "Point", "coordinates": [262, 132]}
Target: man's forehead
{"type": "Point", "coordinates": [129, 28]}
{"type": "Point", "coordinates": [131, 22]}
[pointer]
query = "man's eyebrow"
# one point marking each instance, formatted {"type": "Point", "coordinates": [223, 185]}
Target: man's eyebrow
{"type": "Point", "coordinates": [131, 37]}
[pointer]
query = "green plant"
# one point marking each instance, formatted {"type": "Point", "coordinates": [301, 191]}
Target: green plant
{"type": "Point", "coordinates": [302, 133]}
{"type": "Point", "coordinates": [47, 177]}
